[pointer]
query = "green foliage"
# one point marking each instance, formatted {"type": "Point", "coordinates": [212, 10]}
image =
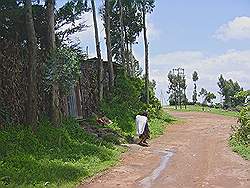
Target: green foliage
{"type": "Point", "coordinates": [242, 96]}
{"type": "Point", "coordinates": [242, 132]}
{"type": "Point", "coordinates": [207, 96]}
{"type": "Point", "coordinates": [210, 96]}
{"type": "Point", "coordinates": [70, 14]}
{"type": "Point", "coordinates": [127, 101]}
{"type": "Point", "coordinates": [63, 67]}
{"type": "Point", "coordinates": [242, 149]}
{"type": "Point", "coordinates": [195, 78]}
{"type": "Point", "coordinates": [158, 125]}
{"type": "Point", "coordinates": [177, 87]}
{"type": "Point", "coordinates": [240, 139]}
{"type": "Point", "coordinates": [228, 89]}
{"type": "Point", "coordinates": [148, 5]}
{"type": "Point", "coordinates": [131, 29]}
{"type": "Point", "coordinates": [57, 156]}
{"type": "Point", "coordinates": [71, 11]}
{"type": "Point", "coordinates": [10, 22]}
{"type": "Point", "coordinates": [132, 10]}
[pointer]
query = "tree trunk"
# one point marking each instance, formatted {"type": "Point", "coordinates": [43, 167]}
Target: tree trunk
{"type": "Point", "coordinates": [126, 50]}
{"type": "Point", "coordinates": [122, 37]}
{"type": "Point", "coordinates": [195, 93]}
{"type": "Point", "coordinates": [180, 96]}
{"type": "Point", "coordinates": [185, 97]}
{"type": "Point", "coordinates": [54, 108]}
{"type": "Point", "coordinates": [32, 66]}
{"type": "Point", "coordinates": [98, 51]}
{"type": "Point", "coordinates": [146, 55]}
{"type": "Point", "coordinates": [78, 100]}
{"type": "Point", "coordinates": [108, 44]}
{"type": "Point", "coordinates": [175, 100]}
{"type": "Point", "coordinates": [51, 24]}
{"type": "Point", "coordinates": [131, 60]}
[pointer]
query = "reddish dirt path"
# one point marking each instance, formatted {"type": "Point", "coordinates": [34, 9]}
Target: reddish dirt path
{"type": "Point", "coordinates": [201, 158]}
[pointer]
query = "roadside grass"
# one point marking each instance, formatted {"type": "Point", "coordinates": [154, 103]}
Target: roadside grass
{"type": "Point", "coordinates": [198, 108]}
{"type": "Point", "coordinates": [52, 157]}
{"type": "Point", "coordinates": [240, 139]}
{"type": "Point", "coordinates": [60, 157]}
{"type": "Point", "coordinates": [158, 125]}
{"type": "Point", "coordinates": [242, 149]}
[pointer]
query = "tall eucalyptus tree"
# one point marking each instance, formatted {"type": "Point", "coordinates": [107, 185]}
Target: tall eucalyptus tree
{"type": "Point", "coordinates": [108, 44]}
{"type": "Point", "coordinates": [122, 35]}
{"type": "Point", "coordinates": [98, 51]}
{"type": "Point", "coordinates": [51, 42]}
{"type": "Point", "coordinates": [32, 64]}
{"type": "Point", "coordinates": [195, 78]}
{"type": "Point", "coordinates": [124, 31]}
{"type": "Point", "coordinates": [146, 6]}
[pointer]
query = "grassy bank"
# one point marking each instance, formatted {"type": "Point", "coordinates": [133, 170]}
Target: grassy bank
{"type": "Point", "coordinates": [158, 125]}
{"type": "Point", "coordinates": [240, 139]}
{"type": "Point", "coordinates": [198, 108]}
{"type": "Point", "coordinates": [61, 157]}
{"type": "Point", "coordinates": [242, 149]}
{"type": "Point", "coordinates": [52, 156]}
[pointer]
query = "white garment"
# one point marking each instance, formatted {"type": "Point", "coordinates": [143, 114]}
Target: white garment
{"type": "Point", "coordinates": [140, 124]}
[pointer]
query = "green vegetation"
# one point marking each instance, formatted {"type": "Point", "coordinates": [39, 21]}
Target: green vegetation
{"type": "Point", "coordinates": [53, 156]}
{"type": "Point", "coordinates": [59, 156]}
{"type": "Point", "coordinates": [199, 108]}
{"type": "Point", "coordinates": [47, 64]}
{"type": "Point", "coordinates": [124, 106]}
{"type": "Point", "coordinates": [67, 155]}
{"type": "Point", "coordinates": [240, 148]}
{"type": "Point", "coordinates": [232, 93]}
{"type": "Point", "coordinates": [158, 125]}
{"type": "Point", "coordinates": [240, 140]}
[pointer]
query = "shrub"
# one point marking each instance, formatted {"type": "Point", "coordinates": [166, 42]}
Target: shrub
{"type": "Point", "coordinates": [127, 101]}
{"type": "Point", "coordinates": [242, 132]}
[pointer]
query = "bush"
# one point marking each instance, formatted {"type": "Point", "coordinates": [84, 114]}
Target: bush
{"type": "Point", "coordinates": [218, 106]}
{"type": "Point", "coordinates": [242, 132]}
{"type": "Point", "coordinates": [127, 101]}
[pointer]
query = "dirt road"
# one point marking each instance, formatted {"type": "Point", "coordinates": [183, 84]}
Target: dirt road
{"type": "Point", "coordinates": [189, 155]}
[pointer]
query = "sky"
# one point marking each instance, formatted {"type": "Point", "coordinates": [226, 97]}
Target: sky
{"type": "Point", "coordinates": [211, 37]}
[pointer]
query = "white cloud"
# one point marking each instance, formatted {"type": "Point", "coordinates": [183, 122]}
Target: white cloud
{"type": "Point", "coordinates": [232, 65]}
{"type": "Point", "coordinates": [87, 37]}
{"type": "Point", "coordinates": [239, 28]}
{"type": "Point", "coordinates": [152, 31]}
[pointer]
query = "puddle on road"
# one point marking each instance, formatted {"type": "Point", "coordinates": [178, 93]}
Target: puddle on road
{"type": "Point", "coordinates": [148, 181]}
